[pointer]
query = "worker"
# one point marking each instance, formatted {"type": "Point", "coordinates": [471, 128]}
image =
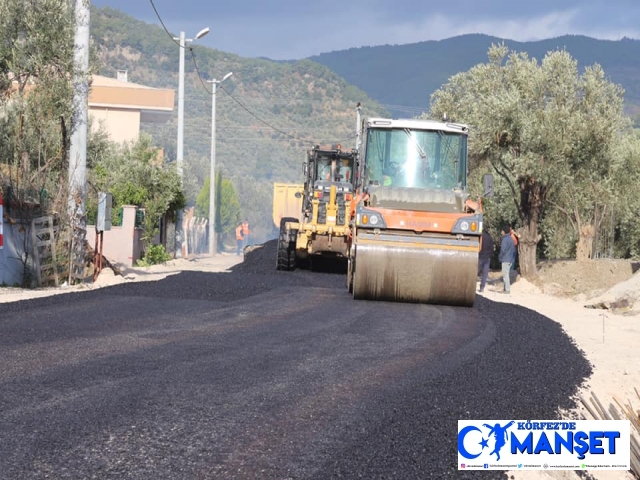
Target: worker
{"type": "Point", "coordinates": [343, 172]}
{"type": "Point", "coordinates": [389, 174]}
{"type": "Point", "coordinates": [239, 239]}
{"type": "Point", "coordinates": [245, 232]}
{"type": "Point", "coordinates": [514, 237]}
{"type": "Point", "coordinates": [325, 171]}
{"type": "Point", "coordinates": [484, 258]}
{"type": "Point", "coordinates": [507, 248]}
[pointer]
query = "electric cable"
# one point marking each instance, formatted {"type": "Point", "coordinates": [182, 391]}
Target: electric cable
{"type": "Point", "coordinates": [164, 26]}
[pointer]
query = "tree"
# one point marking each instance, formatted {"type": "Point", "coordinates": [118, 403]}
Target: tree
{"type": "Point", "coordinates": [135, 175]}
{"type": "Point", "coordinates": [36, 65]}
{"type": "Point", "coordinates": [228, 212]}
{"type": "Point", "coordinates": [545, 130]}
{"type": "Point", "coordinates": [627, 205]}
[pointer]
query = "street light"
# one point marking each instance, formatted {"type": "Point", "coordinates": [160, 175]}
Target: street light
{"type": "Point", "coordinates": [213, 241]}
{"type": "Point", "coordinates": [180, 146]}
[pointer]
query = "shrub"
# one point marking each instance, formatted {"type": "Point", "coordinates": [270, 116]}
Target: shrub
{"type": "Point", "coordinates": [154, 255]}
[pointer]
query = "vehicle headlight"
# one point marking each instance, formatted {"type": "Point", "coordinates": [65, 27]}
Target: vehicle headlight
{"type": "Point", "coordinates": [468, 225]}
{"type": "Point", "coordinates": [368, 218]}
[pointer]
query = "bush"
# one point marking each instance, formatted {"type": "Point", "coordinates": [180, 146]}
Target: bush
{"type": "Point", "coordinates": [154, 255]}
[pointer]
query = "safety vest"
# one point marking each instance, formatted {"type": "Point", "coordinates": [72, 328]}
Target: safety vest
{"type": "Point", "coordinates": [245, 228]}
{"type": "Point", "coordinates": [239, 232]}
{"type": "Point", "coordinates": [514, 237]}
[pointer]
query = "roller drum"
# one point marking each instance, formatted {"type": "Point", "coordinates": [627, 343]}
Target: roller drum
{"type": "Point", "coordinates": [421, 272]}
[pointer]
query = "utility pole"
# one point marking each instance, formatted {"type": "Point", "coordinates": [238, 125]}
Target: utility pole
{"type": "Point", "coordinates": [358, 121]}
{"type": "Point", "coordinates": [213, 241]}
{"type": "Point", "coordinates": [78, 147]}
{"type": "Point", "coordinates": [180, 145]}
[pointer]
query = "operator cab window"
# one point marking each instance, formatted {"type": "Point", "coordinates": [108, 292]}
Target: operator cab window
{"type": "Point", "coordinates": [324, 169]}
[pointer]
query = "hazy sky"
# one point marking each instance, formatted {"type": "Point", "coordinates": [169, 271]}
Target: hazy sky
{"type": "Point", "coordinates": [293, 29]}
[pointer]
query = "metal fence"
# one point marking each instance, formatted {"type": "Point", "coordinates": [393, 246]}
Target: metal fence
{"type": "Point", "coordinates": [604, 238]}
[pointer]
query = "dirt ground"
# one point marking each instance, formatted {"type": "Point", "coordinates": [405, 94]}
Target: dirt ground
{"type": "Point", "coordinates": [569, 278]}
{"type": "Point", "coordinates": [598, 305]}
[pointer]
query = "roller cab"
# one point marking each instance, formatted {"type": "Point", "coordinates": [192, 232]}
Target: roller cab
{"type": "Point", "coordinates": [415, 234]}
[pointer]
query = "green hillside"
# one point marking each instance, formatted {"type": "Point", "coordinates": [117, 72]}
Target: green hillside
{"type": "Point", "coordinates": [270, 112]}
{"type": "Point", "coordinates": [403, 77]}
{"type": "Point", "coordinates": [297, 104]}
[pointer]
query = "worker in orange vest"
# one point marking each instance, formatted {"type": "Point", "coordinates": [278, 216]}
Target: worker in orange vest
{"type": "Point", "coordinates": [239, 239]}
{"type": "Point", "coordinates": [245, 232]}
{"type": "Point", "coordinates": [515, 238]}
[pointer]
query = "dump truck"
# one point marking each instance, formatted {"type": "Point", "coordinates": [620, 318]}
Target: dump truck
{"type": "Point", "coordinates": [320, 230]}
{"type": "Point", "coordinates": [415, 231]}
{"type": "Point", "coordinates": [287, 202]}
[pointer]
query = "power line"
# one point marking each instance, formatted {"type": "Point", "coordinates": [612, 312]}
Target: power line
{"type": "Point", "coordinates": [406, 109]}
{"type": "Point", "coordinates": [195, 64]}
{"type": "Point", "coordinates": [266, 99]}
{"type": "Point", "coordinates": [164, 26]}
{"type": "Point", "coordinates": [261, 120]}
{"type": "Point", "coordinates": [181, 46]}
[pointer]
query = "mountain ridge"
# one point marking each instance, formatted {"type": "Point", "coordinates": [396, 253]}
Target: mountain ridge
{"type": "Point", "coordinates": [416, 70]}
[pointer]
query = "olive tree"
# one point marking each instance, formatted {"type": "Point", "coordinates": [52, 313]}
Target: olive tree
{"type": "Point", "coordinates": [627, 201]}
{"type": "Point", "coordinates": [228, 212]}
{"type": "Point", "coordinates": [135, 174]}
{"type": "Point", "coordinates": [36, 65]}
{"type": "Point", "coordinates": [545, 130]}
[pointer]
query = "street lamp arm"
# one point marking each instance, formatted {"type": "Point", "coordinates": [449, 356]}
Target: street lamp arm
{"type": "Point", "coordinates": [202, 33]}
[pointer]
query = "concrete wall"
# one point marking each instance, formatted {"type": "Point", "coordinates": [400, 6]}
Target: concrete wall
{"type": "Point", "coordinates": [120, 244]}
{"type": "Point", "coordinates": [122, 105]}
{"type": "Point", "coordinates": [11, 268]}
{"type": "Point", "coordinates": [122, 125]}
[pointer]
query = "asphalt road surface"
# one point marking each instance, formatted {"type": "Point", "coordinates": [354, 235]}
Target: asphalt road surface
{"type": "Point", "coordinates": [264, 374]}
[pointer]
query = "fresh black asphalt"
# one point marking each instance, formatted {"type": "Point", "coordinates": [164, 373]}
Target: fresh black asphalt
{"type": "Point", "coordinates": [264, 374]}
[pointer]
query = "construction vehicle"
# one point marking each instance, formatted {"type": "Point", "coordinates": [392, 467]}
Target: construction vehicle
{"type": "Point", "coordinates": [287, 202]}
{"type": "Point", "coordinates": [415, 231]}
{"type": "Point", "coordinates": [320, 230]}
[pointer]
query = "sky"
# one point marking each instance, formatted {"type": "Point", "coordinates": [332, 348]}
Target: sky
{"type": "Point", "coordinates": [294, 29]}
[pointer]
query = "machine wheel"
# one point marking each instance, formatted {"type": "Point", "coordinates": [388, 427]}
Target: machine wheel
{"type": "Point", "coordinates": [350, 266]}
{"type": "Point", "coordinates": [286, 256]}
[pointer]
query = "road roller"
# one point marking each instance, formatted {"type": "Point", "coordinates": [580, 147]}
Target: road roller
{"type": "Point", "coordinates": [415, 231]}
